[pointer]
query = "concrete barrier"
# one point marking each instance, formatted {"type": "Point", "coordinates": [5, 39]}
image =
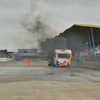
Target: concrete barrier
{"type": "Point", "coordinates": [5, 59]}
{"type": "Point", "coordinates": [86, 64]}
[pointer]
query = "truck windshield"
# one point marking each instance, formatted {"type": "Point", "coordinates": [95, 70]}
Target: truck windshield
{"type": "Point", "coordinates": [63, 55]}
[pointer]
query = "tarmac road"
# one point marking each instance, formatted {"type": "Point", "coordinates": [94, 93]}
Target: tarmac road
{"type": "Point", "coordinates": [37, 81]}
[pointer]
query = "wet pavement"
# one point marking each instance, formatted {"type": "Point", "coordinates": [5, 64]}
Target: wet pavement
{"type": "Point", "coordinates": [48, 73]}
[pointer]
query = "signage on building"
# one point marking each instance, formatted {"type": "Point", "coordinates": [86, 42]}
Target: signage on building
{"type": "Point", "coordinates": [27, 50]}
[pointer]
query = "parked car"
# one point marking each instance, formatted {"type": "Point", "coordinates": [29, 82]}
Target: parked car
{"type": "Point", "coordinates": [9, 56]}
{"type": "Point", "coordinates": [18, 58]}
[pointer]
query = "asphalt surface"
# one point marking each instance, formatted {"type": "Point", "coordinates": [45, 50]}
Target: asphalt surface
{"type": "Point", "coordinates": [40, 71]}
{"type": "Point", "coordinates": [37, 81]}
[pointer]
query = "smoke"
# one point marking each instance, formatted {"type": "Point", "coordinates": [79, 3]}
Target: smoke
{"type": "Point", "coordinates": [54, 43]}
{"type": "Point", "coordinates": [36, 24]}
{"type": "Point", "coordinates": [38, 28]}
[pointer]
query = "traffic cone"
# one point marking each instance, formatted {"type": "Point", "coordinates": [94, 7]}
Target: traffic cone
{"type": "Point", "coordinates": [25, 61]}
{"type": "Point", "coordinates": [28, 62]}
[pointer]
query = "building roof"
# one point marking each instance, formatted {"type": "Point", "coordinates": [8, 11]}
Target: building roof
{"type": "Point", "coordinates": [85, 25]}
{"type": "Point", "coordinates": [82, 33]}
{"type": "Point", "coordinates": [83, 28]}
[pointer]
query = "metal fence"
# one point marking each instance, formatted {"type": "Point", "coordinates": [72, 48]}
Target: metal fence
{"type": "Point", "coordinates": [90, 57]}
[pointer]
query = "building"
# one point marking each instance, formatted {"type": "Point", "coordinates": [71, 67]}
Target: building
{"type": "Point", "coordinates": [84, 41]}
{"type": "Point", "coordinates": [82, 38]}
{"type": "Point", "coordinates": [27, 53]}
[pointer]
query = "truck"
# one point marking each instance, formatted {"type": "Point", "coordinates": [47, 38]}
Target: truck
{"type": "Point", "coordinates": [60, 57]}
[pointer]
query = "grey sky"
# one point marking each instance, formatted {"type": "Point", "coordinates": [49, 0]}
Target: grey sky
{"type": "Point", "coordinates": [59, 14]}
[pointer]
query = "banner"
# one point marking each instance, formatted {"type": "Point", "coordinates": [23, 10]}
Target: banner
{"type": "Point", "coordinates": [27, 50]}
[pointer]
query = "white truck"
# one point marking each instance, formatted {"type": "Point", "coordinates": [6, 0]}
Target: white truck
{"type": "Point", "coordinates": [60, 57]}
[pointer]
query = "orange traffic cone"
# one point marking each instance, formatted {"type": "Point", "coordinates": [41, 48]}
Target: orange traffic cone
{"type": "Point", "coordinates": [25, 61]}
{"type": "Point", "coordinates": [28, 62]}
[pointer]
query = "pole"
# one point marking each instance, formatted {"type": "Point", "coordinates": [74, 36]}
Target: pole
{"type": "Point", "coordinates": [89, 39]}
{"type": "Point", "coordinates": [92, 38]}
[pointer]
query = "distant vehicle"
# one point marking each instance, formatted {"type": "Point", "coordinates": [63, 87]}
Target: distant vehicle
{"type": "Point", "coordinates": [61, 57]}
{"type": "Point", "coordinates": [18, 58]}
{"type": "Point", "coordinates": [40, 59]}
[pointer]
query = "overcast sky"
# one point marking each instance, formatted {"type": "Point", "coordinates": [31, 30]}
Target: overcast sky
{"type": "Point", "coordinates": [58, 14]}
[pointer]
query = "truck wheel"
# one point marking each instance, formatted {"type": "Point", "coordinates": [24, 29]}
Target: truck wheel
{"type": "Point", "coordinates": [54, 65]}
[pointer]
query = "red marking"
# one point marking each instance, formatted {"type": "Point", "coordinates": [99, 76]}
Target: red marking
{"type": "Point", "coordinates": [64, 52]}
{"type": "Point", "coordinates": [28, 62]}
{"type": "Point", "coordinates": [25, 61]}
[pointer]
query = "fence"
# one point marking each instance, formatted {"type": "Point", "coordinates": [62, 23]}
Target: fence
{"type": "Point", "coordinates": [89, 57]}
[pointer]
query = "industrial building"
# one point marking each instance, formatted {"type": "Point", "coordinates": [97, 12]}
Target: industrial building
{"type": "Point", "coordinates": [28, 53]}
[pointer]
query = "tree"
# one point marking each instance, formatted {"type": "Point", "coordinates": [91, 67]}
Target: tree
{"type": "Point", "coordinates": [4, 51]}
